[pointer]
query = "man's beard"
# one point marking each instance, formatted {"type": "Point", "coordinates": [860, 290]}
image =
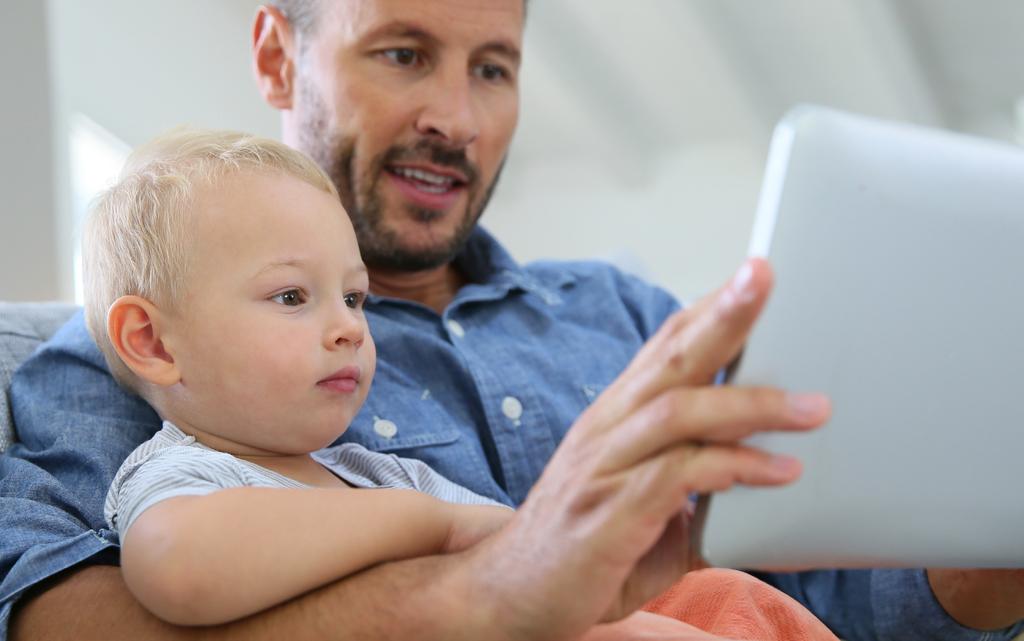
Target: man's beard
{"type": "Point", "coordinates": [381, 247]}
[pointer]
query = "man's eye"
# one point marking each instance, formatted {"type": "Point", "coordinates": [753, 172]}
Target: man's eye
{"type": "Point", "coordinates": [354, 300]}
{"type": "Point", "coordinates": [492, 72]}
{"type": "Point", "coordinates": [290, 298]}
{"type": "Point", "coordinates": [402, 56]}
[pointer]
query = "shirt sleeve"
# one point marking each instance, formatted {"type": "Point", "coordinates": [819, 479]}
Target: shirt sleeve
{"type": "Point", "coordinates": [425, 479]}
{"type": "Point", "coordinates": [75, 427]}
{"type": "Point", "coordinates": [648, 304]}
{"type": "Point", "coordinates": [165, 474]}
{"type": "Point", "coordinates": [879, 605]}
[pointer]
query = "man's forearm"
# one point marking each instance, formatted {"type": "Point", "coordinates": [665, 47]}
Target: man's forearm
{"type": "Point", "coordinates": [422, 598]}
{"type": "Point", "coordinates": [980, 599]}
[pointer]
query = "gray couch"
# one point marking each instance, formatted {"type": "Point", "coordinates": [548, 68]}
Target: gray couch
{"type": "Point", "coordinates": [23, 326]}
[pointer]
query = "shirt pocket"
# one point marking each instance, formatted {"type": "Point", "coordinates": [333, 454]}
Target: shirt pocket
{"type": "Point", "coordinates": [396, 444]}
{"type": "Point", "coordinates": [427, 433]}
{"type": "Point", "coordinates": [590, 391]}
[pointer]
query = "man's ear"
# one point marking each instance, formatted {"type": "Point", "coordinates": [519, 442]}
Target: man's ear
{"type": "Point", "coordinates": [273, 57]}
{"type": "Point", "coordinates": [134, 326]}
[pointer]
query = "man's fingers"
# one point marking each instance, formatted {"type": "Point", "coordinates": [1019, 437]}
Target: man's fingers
{"type": "Point", "coordinates": [715, 468]}
{"type": "Point", "coordinates": [708, 415]}
{"type": "Point", "coordinates": [693, 344]}
{"type": "Point", "coordinates": [707, 469]}
{"type": "Point", "coordinates": [715, 335]}
{"type": "Point", "coordinates": [661, 485]}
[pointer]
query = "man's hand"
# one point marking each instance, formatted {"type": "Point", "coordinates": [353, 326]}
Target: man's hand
{"type": "Point", "coordinates": [980, 599]}
{"type": "Point", "coordinates": [604, 529]}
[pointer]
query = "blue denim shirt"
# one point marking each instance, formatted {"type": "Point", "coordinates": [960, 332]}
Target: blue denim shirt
{"type": "Point", "coordinates": [483, 393]}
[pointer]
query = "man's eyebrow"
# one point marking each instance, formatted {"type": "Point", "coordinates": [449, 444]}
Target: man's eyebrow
{"type": "Point", "coordinates": [400, 29]}
{"type": "Point", "coordinates": [504, 48]}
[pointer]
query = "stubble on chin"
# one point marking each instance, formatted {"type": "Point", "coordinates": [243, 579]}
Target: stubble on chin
{"type": "Point", "coordinates": [381, 245]}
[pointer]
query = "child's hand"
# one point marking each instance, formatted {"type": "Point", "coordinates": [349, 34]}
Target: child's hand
{"type": "Point", "coordinates": [474, 523]}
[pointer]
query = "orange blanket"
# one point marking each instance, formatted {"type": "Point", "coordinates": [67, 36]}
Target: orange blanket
{"type": "Point", "coordinates": [735, 605]}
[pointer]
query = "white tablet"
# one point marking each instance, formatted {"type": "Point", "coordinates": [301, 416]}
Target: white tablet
{"type": "Point", "coordinates": [899, 261]}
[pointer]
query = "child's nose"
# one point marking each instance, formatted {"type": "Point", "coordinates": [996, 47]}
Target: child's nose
{"type": "Point", "coordinates": [345, 328]}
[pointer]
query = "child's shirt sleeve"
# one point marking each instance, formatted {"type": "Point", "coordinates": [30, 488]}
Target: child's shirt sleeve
{"type": "Point", "coordinates": [148, 478]}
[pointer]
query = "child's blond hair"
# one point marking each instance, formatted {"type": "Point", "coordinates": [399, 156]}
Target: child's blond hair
{"type": "Point", "coordinates": [136, 240]}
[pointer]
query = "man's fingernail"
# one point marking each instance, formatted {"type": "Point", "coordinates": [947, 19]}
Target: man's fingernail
{"type": "Point", "coordinates": [785, 465]}
{"type": "Point", "coordinates": [742, 284]}
{"type": "Point", "coordinates": [810, 406]}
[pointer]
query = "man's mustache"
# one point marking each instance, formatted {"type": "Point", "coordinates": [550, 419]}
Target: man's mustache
{"type": "Point", "coordinates": [434, 153]}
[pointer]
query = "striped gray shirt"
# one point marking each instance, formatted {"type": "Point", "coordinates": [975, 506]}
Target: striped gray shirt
{"type": "Point", "coordinates": [173, 463]}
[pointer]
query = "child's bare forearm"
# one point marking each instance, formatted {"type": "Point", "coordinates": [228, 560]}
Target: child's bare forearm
{"type": "Point", "coordinates": [219, 557]}
{"type": "Point", "coordinates": [474, 523]}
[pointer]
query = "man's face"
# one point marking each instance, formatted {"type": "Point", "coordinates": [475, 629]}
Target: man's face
{"type": "Point", "coordinates": [410, 107]}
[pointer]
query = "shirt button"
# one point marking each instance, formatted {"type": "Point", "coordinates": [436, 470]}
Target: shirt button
{"type": "Point", "coordinates": [455, 328]}
{"type": "Point", "coordinates": [512, 408]}
{"type": "Point", "coordinates": [385, 428]}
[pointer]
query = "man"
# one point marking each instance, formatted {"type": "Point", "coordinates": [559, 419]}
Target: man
{"type": "Point", "coordinates": [410, 106]}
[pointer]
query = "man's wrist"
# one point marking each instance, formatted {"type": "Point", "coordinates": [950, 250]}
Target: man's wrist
{"type": "Point", "coordinates": [475, 593]}
{"type": "Point", "coordinates": [980, 599]}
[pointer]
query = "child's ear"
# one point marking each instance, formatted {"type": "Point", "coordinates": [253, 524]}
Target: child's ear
{"type": "Point", "coordinates": [134, 326]}
{"type": "Point", "coordinates": [273, 57]}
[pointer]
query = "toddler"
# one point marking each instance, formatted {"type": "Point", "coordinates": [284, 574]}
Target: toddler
{"type": "Point", "coordinates": [225, 287]}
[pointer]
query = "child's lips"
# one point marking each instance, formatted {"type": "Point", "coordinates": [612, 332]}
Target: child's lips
{"type": "Point", "coordinates": [345, 380]}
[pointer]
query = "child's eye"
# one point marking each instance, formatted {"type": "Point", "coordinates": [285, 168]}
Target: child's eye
{"type": "Point", "coordinates": [290, 298]}
{"type": "Point", "coordinates": [354, 300]}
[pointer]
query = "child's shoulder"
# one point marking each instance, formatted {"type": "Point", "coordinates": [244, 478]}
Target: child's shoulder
{"type": "Point", "coordinates": [169, 464]}
{"type": "Point", "coordinates": [171, 447]}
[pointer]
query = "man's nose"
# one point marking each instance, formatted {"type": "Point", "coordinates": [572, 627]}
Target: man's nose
{"type": "Point", "coordinates": [344, 327]}
{"type": "Point", "coordinates": [448, 111]}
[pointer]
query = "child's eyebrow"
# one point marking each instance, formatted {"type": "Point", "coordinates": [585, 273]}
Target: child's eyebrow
{"type": "Point", "coordinates": [297, 263]}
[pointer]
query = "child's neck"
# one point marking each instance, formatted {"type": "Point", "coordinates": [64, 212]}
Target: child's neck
{"type": "Point", "coordinates": [217, 442]}
{"type": "Point", "coordinates": [298, 467]}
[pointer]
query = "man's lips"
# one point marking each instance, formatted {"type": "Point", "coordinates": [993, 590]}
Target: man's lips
{"type": "Point", "coordinates": [429, 173]}
{"type": "Point", "coordinates": [345, 380]}
{"type": "Point", "coordinates": [428, 186]}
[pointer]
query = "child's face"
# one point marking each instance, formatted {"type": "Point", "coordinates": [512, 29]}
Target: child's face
{"type": "Point", "coordinates": [271, 342]}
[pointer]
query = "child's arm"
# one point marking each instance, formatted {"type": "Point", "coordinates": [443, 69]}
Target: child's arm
{"type": "Point", "coordinates": [474, 523]}
{"type": "Point", "coordinates": [209, 559]}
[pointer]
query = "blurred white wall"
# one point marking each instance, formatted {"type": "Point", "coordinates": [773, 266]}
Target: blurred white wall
{"type": "Point", "coordinates": [137, 68]}
{"type": "Point", "coordinates": [28, 229]}
{"type": "Point", "coordinates": [685, 226]}
{"type": "Point", "coordinates": [140, 67]}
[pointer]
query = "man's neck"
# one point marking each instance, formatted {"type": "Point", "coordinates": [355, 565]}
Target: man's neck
{"type": "Point", "coordinates": [435, 288]}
